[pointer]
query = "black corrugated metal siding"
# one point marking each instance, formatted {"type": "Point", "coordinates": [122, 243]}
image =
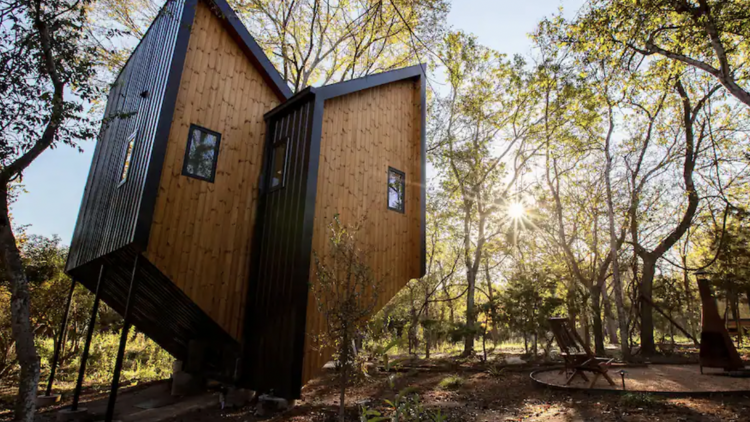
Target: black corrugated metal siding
{"type": "Point", "coordinates": [278, 289]}
{"type": "Point", "coordinates": [108, 214]}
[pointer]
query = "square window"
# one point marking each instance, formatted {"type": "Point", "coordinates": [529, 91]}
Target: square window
{"type": "Point", "coordinates": [396, 190]}
{"type": "Point", "coordinates": [201, 153]}
{"type": "Point", "coordinates": [278, 164]}
{"type": "Point", "coordinates": [128, 157]}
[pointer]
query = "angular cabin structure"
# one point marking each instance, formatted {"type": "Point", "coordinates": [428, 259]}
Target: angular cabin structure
{"type": "Point", "coordinates": [211, 188]}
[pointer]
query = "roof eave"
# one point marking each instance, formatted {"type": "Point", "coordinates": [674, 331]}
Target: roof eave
{"type": "Point", "coordinates": [371, 81]}
{"type": "Point", "coordinates": [252, 50]}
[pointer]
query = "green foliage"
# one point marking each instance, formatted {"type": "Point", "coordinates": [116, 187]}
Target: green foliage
{"type": "Point", "coordinates": [405, 407]}
{"type": "Point", "coordinates": [43, 42]}
{"type": "Point", "coordinates": [710, 35]}
{"type": "Point", "coordinates": [638, 400]}
{"type": "Point", "coordinates": [144, 360]}
{"type": "Point", "coordinates": [44, 260]}
{"type": "Point", "coordinates": [452, 382]}
{"type": "Point", "coordinates": [496, 371]}
{"type": "Point", "coordinates": [528, 301]}
{"type": "Point", "coordinates": [346, 293]}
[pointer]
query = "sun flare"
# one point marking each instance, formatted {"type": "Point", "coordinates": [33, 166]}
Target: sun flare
{"type": "Point", "coordinates": [516, 210]}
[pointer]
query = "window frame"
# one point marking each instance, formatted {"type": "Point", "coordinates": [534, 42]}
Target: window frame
{"type": "Point", "coordinates": [285, 141]}
{"type": "Point", "coordinates": [402, 210]}
{"type": "Point", "coordinates": [215, 161]}
{"type": "Point", "coordinates": [123, 171]}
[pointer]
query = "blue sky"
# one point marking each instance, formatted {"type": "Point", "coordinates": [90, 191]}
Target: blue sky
{"type": "Point", "coordinates": [55, 181]}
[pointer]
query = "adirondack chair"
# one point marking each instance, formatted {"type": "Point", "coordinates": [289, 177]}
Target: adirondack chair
{"type": "Point", "coordinates": [577, 356]}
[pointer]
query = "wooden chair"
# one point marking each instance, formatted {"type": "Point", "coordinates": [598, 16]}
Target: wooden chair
{"type": "Point", "coordinates": [578, 357]}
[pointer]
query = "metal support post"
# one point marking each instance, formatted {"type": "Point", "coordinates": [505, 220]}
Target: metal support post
{"type": "Point", "coordinates": [89, 336]}
{"type": "Point", "coordinates": [123, 343]}
{"type": "Point", "coordinates": [60, 340]}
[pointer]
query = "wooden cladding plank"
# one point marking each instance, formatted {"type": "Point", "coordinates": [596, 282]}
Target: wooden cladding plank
{"type": "Point", "coordinates": [201, 232]}
{"type": "Point", "coordinates": [363, 134]}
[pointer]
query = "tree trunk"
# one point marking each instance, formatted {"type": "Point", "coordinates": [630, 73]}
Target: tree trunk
{"type": "Point", "coordinates": [609, 318]}
{"type": "Point", "coordinates": [736, 315]}
{"type": "Point", "coordinates": [342, 394]}
{"type": "Point", "coordinates": [427, 329]}
{"type": "Point", "coordinates": [622, 315]}
{"type": "Point", "coordinates": [585, 324]}
{"type": "Point", "coordinates": [471, 316]}
{"type": "Point", "coordinates": [648, 347]}
{"type": "Point", "coordinates": [344, 359]}
{"type": "Point", "coordinates": [20, 309]}
{"type": "Point", "coordinates": [693, 322]}
{"type": "Point", "coordinates": [596, 313]}
{"type": "Point", "coordinates": [525, 344]}
{"type": "Point", "coordinates": [570, 303]}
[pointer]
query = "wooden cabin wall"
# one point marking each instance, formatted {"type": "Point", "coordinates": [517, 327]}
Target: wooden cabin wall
{"type": "Point", "coordinates": [363, 134]}
{"type": "Point", "coordinates": [108, 213]}
{"type": "Point", "coordinates": [201, 232]}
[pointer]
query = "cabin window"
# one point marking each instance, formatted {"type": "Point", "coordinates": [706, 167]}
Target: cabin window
{"type": "Point", "coordinates": [396, 190]}
{"type": "Point", "coordinates": [201, 153]}
{"type": "Point", "coordinates": [278, 164]}
{"type": "Point", "coordinates": [128, 157]}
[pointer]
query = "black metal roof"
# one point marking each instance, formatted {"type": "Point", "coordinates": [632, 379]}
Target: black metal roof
{"type": "Point", "coordinates": [353, 85]}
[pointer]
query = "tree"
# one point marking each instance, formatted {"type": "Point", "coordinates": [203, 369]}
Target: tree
{"type": "Point", "coordinates": [708, 35]}
{"type": "Point", "coordinates": [324, 41]}
{"type": "Point", "coordinates": [574, 127]}
{"type": "Point", "coordinates": [480, 147]}
{"type": "Point", "coordinates": [311, 42]}
{"type": "Point", "coordinates": [527, 302]}
{"type": "Point", "coordinates": [692, 126]}
{"type": "Point", "coordinates": [44, 78]}
{"type": "Point", "coordinates": [346, 294]}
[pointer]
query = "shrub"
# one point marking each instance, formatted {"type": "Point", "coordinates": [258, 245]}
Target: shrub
{"type": "Point", "coordinates": [635, 400]}
{"type": "Point", "coordinates": [452, 382]}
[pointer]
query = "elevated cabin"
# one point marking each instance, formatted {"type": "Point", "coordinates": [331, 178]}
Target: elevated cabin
{"type": "Point", "coordinates": [211, 188]}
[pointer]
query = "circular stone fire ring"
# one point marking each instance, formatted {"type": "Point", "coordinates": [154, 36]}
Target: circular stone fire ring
{"type": "Point", "coordinates": [663, 379]}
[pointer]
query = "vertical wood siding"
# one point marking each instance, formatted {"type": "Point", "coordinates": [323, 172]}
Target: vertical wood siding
{"type": "Point", "coordinates": [279, 283]}
{"type": "Point", "coordinates": [363, 134]}
{"type": "Point", "coordinates": [108, 214]}
{"type": "Point", "coordinates": [201, 232]}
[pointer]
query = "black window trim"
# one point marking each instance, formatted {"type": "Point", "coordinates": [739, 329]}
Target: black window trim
{"type": "Point", "coordinates": [185, 172]}
{"type": "Point", "coordinates": [283, 141]}
{"type": "Point", "coordinates": [403, 190]}
{"type": "Point", "coordinates": [133, 136]}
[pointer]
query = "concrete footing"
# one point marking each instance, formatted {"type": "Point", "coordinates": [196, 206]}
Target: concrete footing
{"type": "Point", "coordinates": [184, 384]}
{"type": "Point", "coordinates": [68, 415]}
{"type": "Point", "coordinates": [236, 397]}
{"type": "Point", "coordinates": [44, 401]}
{"type": "Point", "coordinates": [268, 404]}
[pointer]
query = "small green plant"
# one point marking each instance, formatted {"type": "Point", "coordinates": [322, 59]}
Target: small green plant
{"type": "Point", "coordinates": [381, 353]}
{"type": "Point", "coordinates": [635, 400]}
{"type": "Point", "coordinates": [496, 371]}
{"type": "Point", "coordinates": [392, 381]}
{"type": "Point", "coordinates": [407, 391]}
{"type": "Point", "coordinates": [452, 382]}
{"type": "Point", "coordinates": [405, 407]}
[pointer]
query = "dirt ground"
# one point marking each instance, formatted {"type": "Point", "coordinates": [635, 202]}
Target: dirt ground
{"type": "Point", "coordinates": [487, 395]}
{"type": "Point", "coordinates": [483, 393]}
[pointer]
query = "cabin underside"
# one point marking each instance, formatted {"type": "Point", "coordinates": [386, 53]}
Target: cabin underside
{"type": "Point", "coordinates": [163, 312]}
